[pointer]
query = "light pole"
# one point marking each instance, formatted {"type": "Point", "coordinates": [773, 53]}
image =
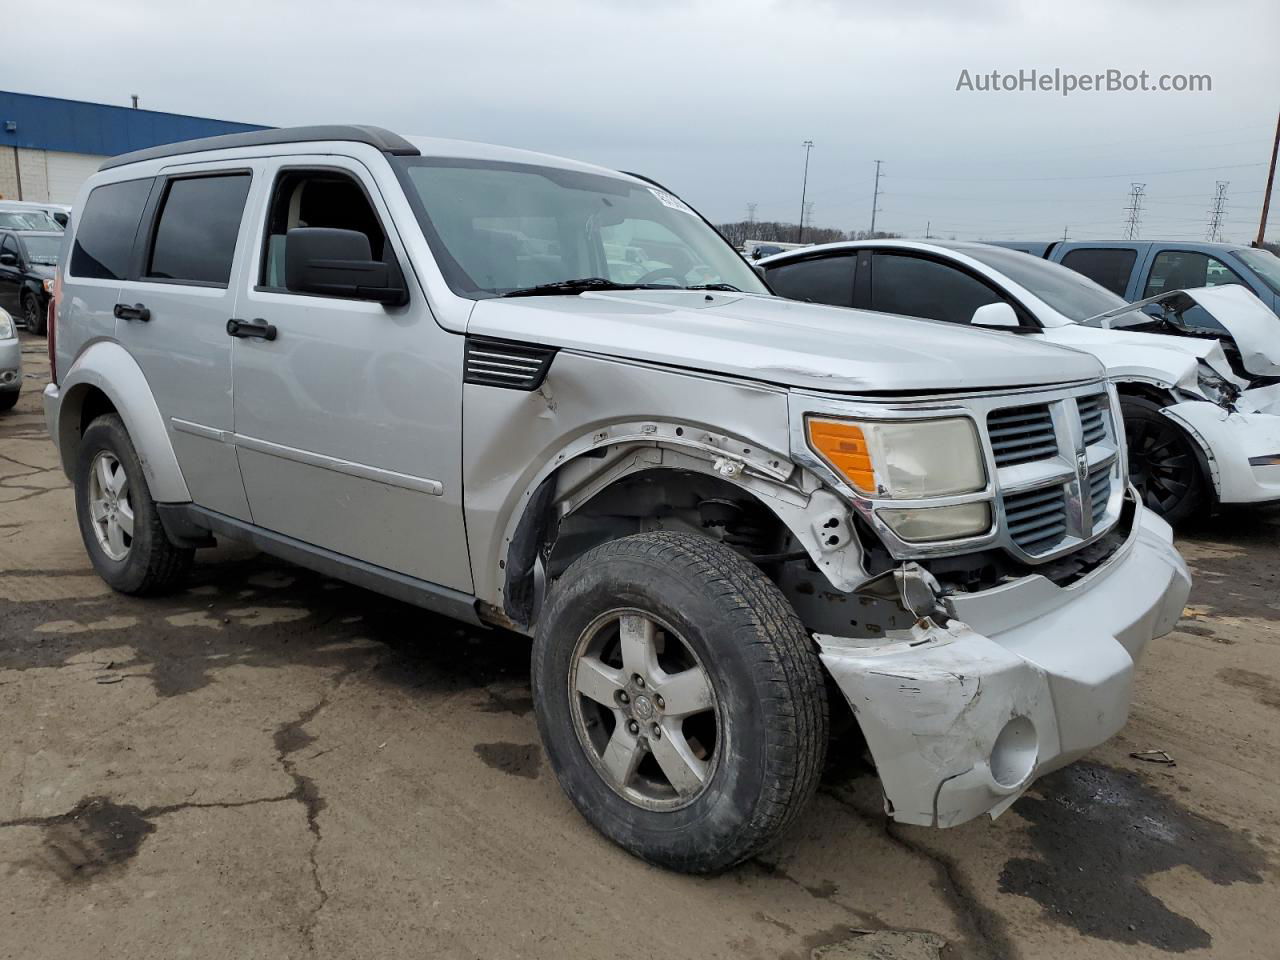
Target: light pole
{"type": "Point", "coordinates": [804, 186]}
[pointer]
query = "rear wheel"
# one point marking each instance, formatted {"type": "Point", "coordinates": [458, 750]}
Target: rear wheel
{"type": "Point", "coordinates": [32, 315]}
{"type": "Point", "coordinates": [1163, 463]}
{"type": "Point", "coordinates": [679, 699]}
{"type": "Point", "coordinates": [119, 522]}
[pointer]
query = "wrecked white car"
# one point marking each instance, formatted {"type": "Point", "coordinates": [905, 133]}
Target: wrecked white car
{"type": "Point", "coordinates": [1198, 371]}
{"type": "Point", "coordinates": [533, 393]}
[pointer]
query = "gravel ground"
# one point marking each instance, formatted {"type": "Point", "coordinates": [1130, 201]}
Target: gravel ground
{"type": "Point", "coordinates": [273, 764]}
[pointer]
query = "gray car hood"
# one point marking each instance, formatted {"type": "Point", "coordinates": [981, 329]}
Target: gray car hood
{"type": "Point", "coordinates": [803, 345]}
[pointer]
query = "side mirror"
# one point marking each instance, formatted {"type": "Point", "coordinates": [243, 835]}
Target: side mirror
{"type": "Point", "coordinates": [8, 259]}
{"type": "Point", "coordinates": [339, 263]}
{"type": "Point", "coordinates": [998, 315]}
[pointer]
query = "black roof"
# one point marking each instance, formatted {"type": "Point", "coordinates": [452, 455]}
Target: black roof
{"type": "Point", "coordinates": [384, 140]}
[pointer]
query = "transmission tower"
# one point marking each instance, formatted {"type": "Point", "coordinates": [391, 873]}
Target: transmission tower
{"type": "Point", "coordinates": [1133, 212]}
{"type": "Point", "coordinates": [875, 202]}
{"type": "Point", "coordinates": [1217, 213]}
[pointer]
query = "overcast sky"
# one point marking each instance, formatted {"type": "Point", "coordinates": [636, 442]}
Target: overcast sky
{"type": "Point", "coordinates": [714, 98]}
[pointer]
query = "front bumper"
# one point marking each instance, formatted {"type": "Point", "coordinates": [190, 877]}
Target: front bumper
{"type": "Point", "coordinates": [961, 719]}
{"type": "Point", "coordinates": [10, 365]}
{"type": "Point", "coordinates": [1243, 448]}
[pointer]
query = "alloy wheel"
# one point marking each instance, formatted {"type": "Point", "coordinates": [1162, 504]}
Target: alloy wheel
{"type": "Point", "coordinates": [110, 507]}
{"type": "Point", "coordinates": [644, 709]}
{"type": "Point", "coordinates": [1161, 463]}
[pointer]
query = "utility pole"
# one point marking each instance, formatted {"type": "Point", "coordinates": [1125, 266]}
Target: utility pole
{"type": "Point", "coordinates": [927, 225]}
{"type": "Point", "coordinates": [1216, 212]}
{"type": "Point", "coordinates": [1133, 212]}
{"type": "Point", "coordinates": [875, 201]}
{"type": "Point", "coordinates": [134, 98]}
{"type": "Point", "coordinates": [1064, 233]}
{"type": "Point", "coordinates": [1271, 179]}
{"type": "Point", "coordinates": [804, 187]}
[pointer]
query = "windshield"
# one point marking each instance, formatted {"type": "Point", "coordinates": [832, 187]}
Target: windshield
{"type": "Point", "coordinates": [27, 220]}
{"type": "Point", "coordinates": [1265, 264]}
{"type": "Point", "coordinates": [1073, 295]}
{"type": "Point", "coordinates": [43, 250]}
{"type": "Point", "coordinates": [500, 227]}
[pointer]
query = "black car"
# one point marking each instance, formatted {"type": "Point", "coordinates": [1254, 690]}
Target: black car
{"type": "Point", "coordinates": [27, 262]}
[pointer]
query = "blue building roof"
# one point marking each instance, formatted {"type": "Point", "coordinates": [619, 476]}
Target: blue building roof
{"type": "Point", "coordinates": [74, 126]}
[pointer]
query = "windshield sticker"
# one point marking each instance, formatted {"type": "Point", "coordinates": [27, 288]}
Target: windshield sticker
{"type": "Point", "coordinates": [675, 203]}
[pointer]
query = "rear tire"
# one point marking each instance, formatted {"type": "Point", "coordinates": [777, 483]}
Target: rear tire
{"type": "Point", "coordinates": [756, 738]}
{"type": "Point", "coordinates": [1164, 463]}
{"type": "Point", "coordinates": [33, 316]}
{"type": "Point", "coordinates": [119, 522]}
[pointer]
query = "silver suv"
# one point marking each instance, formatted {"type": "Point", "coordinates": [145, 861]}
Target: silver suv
{"type": "Point", "coordinates": [547, 396]}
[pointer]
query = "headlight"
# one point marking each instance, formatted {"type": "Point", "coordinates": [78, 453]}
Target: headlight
{"type": "Point", "coordinates": [48, 286]}
{"type": "Point", "coordinates": [903, 459]}
{"type": "Point", "coordinates": [6, 326]}
{"type": "Point", "coordinates": [1215, 387]}
{"type": "Point", "coordinates": [910, 460]}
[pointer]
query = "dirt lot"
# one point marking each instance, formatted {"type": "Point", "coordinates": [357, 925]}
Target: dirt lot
{"type": "Point", "coordinates": [272, 764]}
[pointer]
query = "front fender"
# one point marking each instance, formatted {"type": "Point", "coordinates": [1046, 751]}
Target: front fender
{"type": "Point", "coordinates": [107, 367]}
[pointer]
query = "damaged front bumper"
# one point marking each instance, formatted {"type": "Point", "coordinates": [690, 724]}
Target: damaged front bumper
{"type": "Point", "coordinates": [1242, 447]}
{"type": "Point", "coordinates": [961, 719]}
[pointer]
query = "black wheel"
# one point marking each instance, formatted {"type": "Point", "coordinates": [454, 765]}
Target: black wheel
{"type": "Point", "coordinates": [1163, 463]}
{"type": "Point", "coordinates": [8, 399]}
{"type": "Point", "coordinates": [32, 315]}
{"type": "Point", "coordinates": [680, 700]}
{"type": "Point", "coordinates": [118, 519]}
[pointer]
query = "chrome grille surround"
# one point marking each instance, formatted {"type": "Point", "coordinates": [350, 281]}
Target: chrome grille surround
{"type": "Point", "coordinates": [1048, 497]}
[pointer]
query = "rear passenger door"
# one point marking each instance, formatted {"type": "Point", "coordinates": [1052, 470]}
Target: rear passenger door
{"type": "Point", "coordinates": [172, 317]}
{"type": "Point", "coordinates": [348, 422]}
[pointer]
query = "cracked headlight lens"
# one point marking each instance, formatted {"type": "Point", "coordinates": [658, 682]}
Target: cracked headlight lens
{"type": "Point", "coordinates": [902, 459]}
{"type": "Point", "coordinates": [1215, 387]}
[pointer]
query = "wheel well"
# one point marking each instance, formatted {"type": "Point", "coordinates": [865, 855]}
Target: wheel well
{"type": "Point", "coordinates": [80, 408]}
{"type": "Point", "coordinates": [1144, 391]}
{"type": "Point", "coordinates": [658, 499]}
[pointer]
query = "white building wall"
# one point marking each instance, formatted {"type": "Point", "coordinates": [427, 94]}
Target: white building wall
{"type": "Point", "coordinates": [47, 176]}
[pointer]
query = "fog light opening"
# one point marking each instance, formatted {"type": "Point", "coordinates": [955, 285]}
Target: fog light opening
{"type": "Point", "coordinates": [1014, 755]}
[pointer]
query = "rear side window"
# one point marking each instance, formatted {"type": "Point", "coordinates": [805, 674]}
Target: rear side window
{"type": "Point", "coordinates": [818, 280]}
{"type": "Point", "coordinates": [1107, 268]}
{"type": "Point", "coordinates": [195, 236]}
{"type": "Point", "coordinates": [104, 238]}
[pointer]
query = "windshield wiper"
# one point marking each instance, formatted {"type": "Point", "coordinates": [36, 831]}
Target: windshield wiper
{"type": "Point", "coordinates": [726, 287]}
{"type": "Point", "coordinates": [581, 285]}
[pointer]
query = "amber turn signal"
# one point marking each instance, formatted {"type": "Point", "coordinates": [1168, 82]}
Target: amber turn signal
{"type": "Point", "coordinates": [844, 446]}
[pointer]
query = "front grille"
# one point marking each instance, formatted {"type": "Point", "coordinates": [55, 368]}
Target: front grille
{"type": "Point", "coordinates": [1093, 418]}
{"type": "Point", "coordinates": [1052, 504]}
{"type": "Point", "coordinates": [1036, 519]}
{"type": "Point", "coordinates": [1022, 434]}
{"type": "Point", "coordinates": [1099, 491]}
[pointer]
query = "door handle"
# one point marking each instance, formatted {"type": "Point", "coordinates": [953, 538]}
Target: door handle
{"type": "Point", "coordinates": [256, 329]}
{"type": "Point", "coordinates": [137, 312]}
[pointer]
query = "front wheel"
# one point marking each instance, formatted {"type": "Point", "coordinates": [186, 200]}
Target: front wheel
{"type": "Point", "coordinates": [680, 700]}
{"type": "Point", "coordinates": [32, 315]}
{"type": "Point", "coordinates": [1163, 463]}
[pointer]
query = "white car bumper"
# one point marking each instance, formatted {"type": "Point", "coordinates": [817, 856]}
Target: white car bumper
{"type": "Point", "coordinates": [1243, 448]}
{"type": "Point", "coordinates": [961, 720]}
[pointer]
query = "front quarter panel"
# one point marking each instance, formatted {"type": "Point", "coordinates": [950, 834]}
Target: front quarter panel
{"type": "Point", "coordinates": [107, 367]}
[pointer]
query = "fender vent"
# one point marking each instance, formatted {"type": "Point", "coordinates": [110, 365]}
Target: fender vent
{"type": "Point", "coordinates": [501, 363]}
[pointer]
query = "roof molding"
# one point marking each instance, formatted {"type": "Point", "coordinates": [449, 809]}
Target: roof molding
{"type": "Point", "coordinates": [376, 137]}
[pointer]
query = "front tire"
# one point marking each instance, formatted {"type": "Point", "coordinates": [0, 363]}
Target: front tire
{"type": "Point", "coordinates": [1163, 462]}
{"type": "Point", "coordinates": [679, 699]}
{"type": "Point", "coordinates": [119, 522]}
{"type": "Point", "coordinates": [33, 316]}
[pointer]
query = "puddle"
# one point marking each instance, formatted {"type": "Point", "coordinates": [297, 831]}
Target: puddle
{"type": "Point", "coordinates": [517, 759]}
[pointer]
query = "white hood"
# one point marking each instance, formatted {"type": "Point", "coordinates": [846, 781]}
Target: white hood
{"type": "Point", "coordinates": [1255, 329]}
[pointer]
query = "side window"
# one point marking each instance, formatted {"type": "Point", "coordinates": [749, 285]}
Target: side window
{"type": "Point", "coordinates": [1107, 268]}
{"type": "Point", "coordinates": [195, 236]}
{"type": "Point", "coordinates": [818, 280]}
{"type": "Point", "coordinates": [315, 198]}
{"type": "Point", "coordinates": [1182, 270]}
{"type": "Point", "coordinates": [916, 287]}
{"type": "Point", "coordinates": [10, 245]}
{"type": "Point", "coordinates": [107, 227]}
